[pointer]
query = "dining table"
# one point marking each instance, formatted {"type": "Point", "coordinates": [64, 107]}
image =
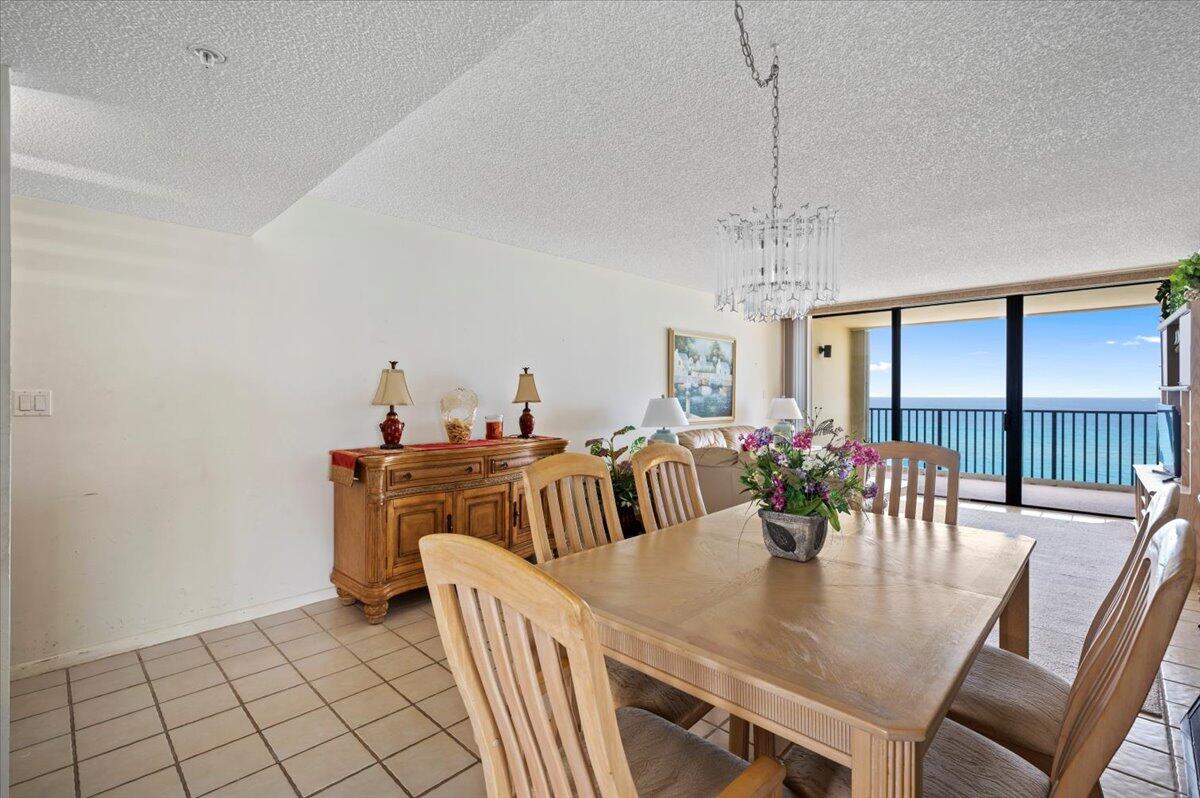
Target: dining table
{"type": "Point", "coordinates": [855, 655]}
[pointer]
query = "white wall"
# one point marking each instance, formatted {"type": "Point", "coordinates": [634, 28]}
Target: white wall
{"type": "Point", "coordinates": [200, 378]}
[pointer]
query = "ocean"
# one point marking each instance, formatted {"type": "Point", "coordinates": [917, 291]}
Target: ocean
{"type": "Point", "coordinates": [1070, 439]}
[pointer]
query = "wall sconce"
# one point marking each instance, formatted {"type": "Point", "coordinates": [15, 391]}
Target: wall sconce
{"type": "Point", "coordinates": [825, 351]}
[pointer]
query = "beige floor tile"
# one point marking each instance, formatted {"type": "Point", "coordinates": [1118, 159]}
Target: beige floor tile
{"type": "Point", "coordinates": [39, 728]}
{"type": "Point", "coordinates": [353, 632]}
{"type": "Point", "coordinates": [124, 764]}
{"type": "Point", "coordinates": [108, 682]}
{"type": "Point", "coordinates": [284, 705]}
{"type": "Point", "coordinates": [717, 716]}
{"type": "Point", "coordinates": [279, 618]}
{"type": "Point", "coordinates": [340, 616]}
{"type": "Point", "coordinates": [180, 684]}
{"type": "Point", "coordinates": [462, 732]}
{"type": "Point", "coordinates": [398, 663]}
{"type": "Point", "coordinates": [226, 764]}
{"type": "Point", "coordinates": [446, 708]}
{"type": "Point", "coordinates": [303, 732]}
{"type": "Point", "coordinates": [468, 784]}
{"type": "Point", "coordinates": [211, 732]}
{"type": "Point", "coordinates": [58, 784]}
{"type": "Point", "coordinates": [1181, 693]}
{"type": "Point", "coordinates": [1150, 733]}
{"type": "Point", "coordinates": [202, 704]}
{"type": "Point", "coordinates": [429, 762]}
{"type": "Point", "coordinates": [178, 662]}
{"type": "Point", "coordinates": [420, 631]}
{"type": "Point", "coordinates": [163, 784]}
{"type": "Point", "coordinates": [433, 648]}
{"type": "Point", "coordinates": [106, 707]}
{"type": "Point", "coordinates": [320, 607]}
{"type": "Point", "coordinates": [292, 629]}
{"type": "Point", "coordinates": [98, 666]}
{"type": "Point", "coordinates": [227, 632]}
{"type": "Point", "coordinates": [325, 663]}
{"type": "Point", "coordinates": [419, 685]}
{"type": "Point", "coordinates": [1184, 674]}
{"type": "Point", "coordinates": [40, 758]}
{"type": "Point", "coordinates": [103, 737]}
{"type": "Point", "coordinates": [170, 647]}
{"type": "Point", "coordinates": [232, 646]}
{"type": "Point", "coordinates": [39, 701]}
{"type": "Point", "coordinates": [308, 645]}
{"type": "Point", "coordinates": [377, 645]}
{"type": "Point", "coordinates": [374, 782]}
{"type": "Point", "coordinates": [388, 735]}
{"type": "Point", "coordinates": [269, 783]}
{"type": "Point", "coordinates": [267, 682]}
{"type": "Point", "coordinates": [240, 665]}
{"type": "Point", "coordinates": [344, 683]}
{"type": "Point", "coordinates": [329, 762]}
{"type": "Point", "coordinates": [369, 705]}
{"type": "Point", "coordinates": [35, 683]}
{"type": "Point", "coordinates": [1118, 785]}
{"type": "Point", "coordinates": [404, 616]}
{"type": "Point", "coordinates": [1144, 763]}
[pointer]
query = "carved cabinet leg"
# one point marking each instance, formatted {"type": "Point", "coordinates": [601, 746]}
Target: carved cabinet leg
{"type": "Point", "coordinates": [375, 612]}
{"type": "Point", "coordinates": [345, 597]}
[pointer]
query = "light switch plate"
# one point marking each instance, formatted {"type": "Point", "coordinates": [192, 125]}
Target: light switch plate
{"type": "Point", "coordinates": [31, 402]}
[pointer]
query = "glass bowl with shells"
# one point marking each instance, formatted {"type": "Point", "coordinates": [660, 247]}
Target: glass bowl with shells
{"type": "Point", "coordinates": [458, 414]}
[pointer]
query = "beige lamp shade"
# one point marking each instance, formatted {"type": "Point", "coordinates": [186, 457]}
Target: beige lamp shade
{"type": "Point", "coordinates": [393, 390]}
{"type": "Point", "coordinates": [784, 408]}
{"type": "Point", "coordinates": [526, 389]}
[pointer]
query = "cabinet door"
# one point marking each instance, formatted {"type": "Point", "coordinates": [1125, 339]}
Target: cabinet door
{"type": "Point", "coordinates": [522, 532]}
{"type": "Point", "coordinates": [408, 520]}
{"type": "Point", "coordinates": [483, 513]}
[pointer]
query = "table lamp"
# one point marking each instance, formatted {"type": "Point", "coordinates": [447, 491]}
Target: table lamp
{"type": "Point", "coordinates": [392, 391]}
{"type": "Point", "coordinates": [663, 413]}
{"type": "Point", "coordinates": [783, 410]}
{"type": "Point", "coordinates": [526, 392]}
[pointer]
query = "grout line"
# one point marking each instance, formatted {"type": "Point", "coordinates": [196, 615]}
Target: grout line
{"type": "Point", "coordinates": [74, 747]}
{"type": "Point", "coordinates": [170, 743]}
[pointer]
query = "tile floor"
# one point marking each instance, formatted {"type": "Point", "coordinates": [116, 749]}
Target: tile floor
{"type": "Point", "coordinates": [315, 701]}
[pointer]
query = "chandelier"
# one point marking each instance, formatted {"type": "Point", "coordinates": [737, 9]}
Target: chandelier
{"type": "Point", "coordinates": [776, 266]}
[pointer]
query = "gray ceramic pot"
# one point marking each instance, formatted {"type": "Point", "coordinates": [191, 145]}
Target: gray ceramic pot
{"type": "Point", "coordinates": [793, 537]}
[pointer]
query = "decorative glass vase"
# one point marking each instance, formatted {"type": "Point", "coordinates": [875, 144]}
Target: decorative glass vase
{"type": "Point", "coordinates": [793, 537]}
{"type": "Point", "coordinates": [458, 414]}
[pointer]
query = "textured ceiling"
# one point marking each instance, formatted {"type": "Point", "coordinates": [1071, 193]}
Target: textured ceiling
{"type": "Point", "coordinates": [110, 112]}
{"type": "Point", "coordinates": [967, 143]}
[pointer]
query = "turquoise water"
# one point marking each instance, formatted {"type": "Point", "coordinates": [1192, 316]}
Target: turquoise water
{"type": "Point", "coordinates": [1072, 439]}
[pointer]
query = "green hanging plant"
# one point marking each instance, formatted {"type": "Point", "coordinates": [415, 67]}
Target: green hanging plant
{"type": "Point", "coordinates": [1173, 291]}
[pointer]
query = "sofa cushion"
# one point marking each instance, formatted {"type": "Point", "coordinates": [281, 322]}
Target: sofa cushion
{"type": "Point", "coordinates": [722, 437]}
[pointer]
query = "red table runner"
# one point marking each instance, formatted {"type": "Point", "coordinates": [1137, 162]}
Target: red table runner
{"type": "Point", "coordinates": [343, 461]}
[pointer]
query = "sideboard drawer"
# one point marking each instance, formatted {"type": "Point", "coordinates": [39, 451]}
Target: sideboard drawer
{"type": "Point", "coordinates": [498, 465]}
{"type": "Point", "coordinates": [423, 473]}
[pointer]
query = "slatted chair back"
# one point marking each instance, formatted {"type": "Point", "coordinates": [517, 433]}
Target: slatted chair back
{"type": "Point", "coordinates": [1164, 506]}
{"type": "Point", "coordinates": [668, 488]}
{"type": "Point", "coordinates": [1121, 664]}
{"type": "Point", "coordinates": [890, 478]}
{"type": "Point", "coordinates": [571, 505]}
{"type": "Point", "coordinates": [526, 657]}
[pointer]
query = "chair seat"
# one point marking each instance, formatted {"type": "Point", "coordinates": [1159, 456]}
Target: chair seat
{"type": "Point", "coordinates": [669, 762]}
{"type": "Point", "coordinates": [1009, 699]}
{"type": "Point", "coordinates": [958, 763]}
{"type": "Point", "coordinates": [632, 688]}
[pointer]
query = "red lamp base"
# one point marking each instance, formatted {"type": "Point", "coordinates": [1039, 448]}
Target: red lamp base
{"type": "Point", "coordinates": [392, 428]}
{"type": "Point", "coordinates": [526, 422]}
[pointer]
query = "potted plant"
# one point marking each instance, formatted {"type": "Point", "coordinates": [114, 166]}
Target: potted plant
{"type": "Point", "coordinates": [1181, 286]}
{"type": "Point", "coordinates": [621, 471]}
{"type": "Point", "coordinates": [801, 489]}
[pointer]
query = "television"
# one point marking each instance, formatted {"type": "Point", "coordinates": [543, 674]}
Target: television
{"type": "Point", "coordinates": [1168, 439]}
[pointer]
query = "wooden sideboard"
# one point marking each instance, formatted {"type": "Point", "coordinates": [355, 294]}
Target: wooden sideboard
{"type": "Point", "coordinates": [399, 496]}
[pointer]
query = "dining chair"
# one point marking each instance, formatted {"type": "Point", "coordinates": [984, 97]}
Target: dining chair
{"type": "Point", "coordinates": [1114, 677]}
{"type": "Point", "coordinates": [668, 488]}
{"type": "Point", "coordinates": [890, 480]}
{"type": "Point", "coordinates": [525, 654]}
{"type": "Point", "coordinates": [1020, 704]}
{"type": "Point", "coordinates": [571, 509]}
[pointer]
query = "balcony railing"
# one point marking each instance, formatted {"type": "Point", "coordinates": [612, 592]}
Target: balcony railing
{"type": "Point", "coordinates": [1092, 447]}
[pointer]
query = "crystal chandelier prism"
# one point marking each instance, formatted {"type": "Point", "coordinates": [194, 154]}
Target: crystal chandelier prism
{"type": "Point", "coordinates": [773, 266]}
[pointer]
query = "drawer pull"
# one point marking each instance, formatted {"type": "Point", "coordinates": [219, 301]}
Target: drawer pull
{"type": "Point", "coordinates": [406, 475]}
{"type": "Point", "coordinates": [503, 464]}
{"type": "Point", "coordinates": [469, 469]}
{"type": "Point", "coordinates": [449, 522]}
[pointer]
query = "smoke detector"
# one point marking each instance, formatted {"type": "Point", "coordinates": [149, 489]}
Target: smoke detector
{"type": "Point", "coordinates": [208, 57]}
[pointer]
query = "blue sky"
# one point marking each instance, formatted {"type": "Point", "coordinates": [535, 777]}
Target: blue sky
{"type": "Point", "coordinates": [1100, 353]}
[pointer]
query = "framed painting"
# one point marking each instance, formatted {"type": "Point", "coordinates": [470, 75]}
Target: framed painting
{"type": "Point", "coordinates": [701, 374]}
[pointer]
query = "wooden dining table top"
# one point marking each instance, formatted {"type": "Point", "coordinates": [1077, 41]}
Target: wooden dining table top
{"type": "Point", "coordinates": [877, 631]}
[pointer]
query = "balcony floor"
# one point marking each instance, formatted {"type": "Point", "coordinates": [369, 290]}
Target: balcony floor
{"type": "Point", "coordinates": [1055, 497]}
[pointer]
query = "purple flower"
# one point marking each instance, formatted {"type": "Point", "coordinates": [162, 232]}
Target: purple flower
{"type": "Point", "coordinates": [870, 490]}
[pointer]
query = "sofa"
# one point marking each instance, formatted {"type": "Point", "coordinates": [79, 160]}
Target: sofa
{"type": "Point", "coordinates": [718, 456]}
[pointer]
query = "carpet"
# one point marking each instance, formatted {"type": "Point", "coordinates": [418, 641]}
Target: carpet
{"type": "Point", "coordinates": [1071, 569]}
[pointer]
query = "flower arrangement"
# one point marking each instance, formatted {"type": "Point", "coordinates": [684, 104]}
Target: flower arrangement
{"type": "Point", "coordinates": [624, 490]}
{"type": "Point", "coordinates": [787, 475]}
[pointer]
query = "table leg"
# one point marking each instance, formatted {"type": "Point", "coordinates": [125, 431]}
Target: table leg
{"type": "Point", "coordinates": [1014, 620]}
{"type": "Point", "coordinates": [764, 742]}
{"type": "Point", "coordinates": [739, 737]}
{"type": "Point", "coordinates": [881, 768]}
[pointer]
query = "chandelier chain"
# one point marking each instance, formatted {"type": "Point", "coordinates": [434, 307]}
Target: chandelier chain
{"type": "Point", "coordinates": [772, 80]}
